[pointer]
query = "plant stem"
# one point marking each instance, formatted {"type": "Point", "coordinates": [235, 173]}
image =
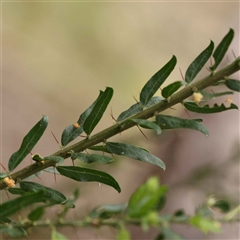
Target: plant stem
{"type": "Point", "coordinates": [126, 124]}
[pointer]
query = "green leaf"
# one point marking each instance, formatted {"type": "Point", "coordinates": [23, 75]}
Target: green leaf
{"type": "Point", "coordinates": [73, 131]}
{"type": "Point", "coordinates": [3, 175]}
{"type": "Point", "coordinates": [194, 107]}
{"type": "Point", "coordinates": [223, 205]}
{"type": "Point", "coordinates": [151, 87]}
{"type": "Point", "coordinates": [51, 170]}
{"type": "Point", "coordinates": [29, 141]}
{"type": "Point", "coordinates": [145, 198]}
{"type": "Point", "coordinates": [107, 211]}
{"type": "Point", "coordinates": [14, 232]}
{"type": "Point", "coordinates": [37, 157]}
{"type": "Point", "coordinates": [147, 124]}
{"type": "Point", "coordinates": [136, 108]}
{"type": "Point", "coordinates": [233, 84]}
{"type": "Point", "coordinates": [12, 206]}
{"type": "Point", "coordinates": [88, 175]}
{"type": "Point", "coordinates": [36, 214]}
{"type": "Point", "coordinates": [169, 122]}
{"type": "Point", "coordinates": [207, 96]}
{"type": "Point", "coordinates": [123, 234]}
{"type": "Point", "coordinates": [206, 225]}
{"type": "Point", "coordinates": [50, 194]}
{"type": "Point", "coordinates": [222, 48]}
{"type": "Point", "coordinates": [99, 148]}
{"type": "Point", "coordinates": [198, 63]}
{"type": "Point", "coordinates": [16, 191]}
{"type": "Point", "coordinates": [172, 88]}
{"type": "Point", "coordinates": [90, 158]}
{"type": "Point", "coordinates": [70, 133]}
{"type": "Point", "coordinates": [134, 152]}
{"type": "Point", "coordinates": [5, 220]}
{"type": "Point", "coordinates": [98, 111]}
{"type": "Point", "coordinates": [57, 236]}
{"type": "Point", "coordinates": [56, 159]}
{"type": "Point", "coordinates": [170, 234]}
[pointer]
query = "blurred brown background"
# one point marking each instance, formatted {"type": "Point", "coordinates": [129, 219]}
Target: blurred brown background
{"type": "Point", "coordinates": [56, 56]}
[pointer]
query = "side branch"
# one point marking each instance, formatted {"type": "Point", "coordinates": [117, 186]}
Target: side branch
{"type": "Point", "coordinates": [126, 124]}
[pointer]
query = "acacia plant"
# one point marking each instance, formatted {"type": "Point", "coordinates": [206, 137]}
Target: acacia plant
{"type": "Point", "coordinates": [145, 204]}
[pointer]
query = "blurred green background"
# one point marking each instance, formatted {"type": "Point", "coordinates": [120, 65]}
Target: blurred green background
{"type": "Point", "coordinates": [56, 56]}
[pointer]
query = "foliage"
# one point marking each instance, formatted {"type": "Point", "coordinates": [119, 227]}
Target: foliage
{"type": "Point", "coordinates": [145, 205]}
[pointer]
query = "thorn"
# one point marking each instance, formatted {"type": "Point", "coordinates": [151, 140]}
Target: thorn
{"type": "Point", "coordinates": [38, 176]}
{"type": "Point", "coordinates": [111, 114]}
{"type": "Point", "coordinates": [212, 91]}
{"type": "Point", "coordinates": [135, 99]}
{"type": "Point", "coordinates": [55, 138]}
{"type": "Point", "coordinates": [173, 108]}
{"type": "Point", "coordinates": [208, 69]}
{"type": "Point", "coordinates": [142, 132]}
{"type": "Point", "coordinates": [55, 176]}
{"type": "Point", "coordinates": [211, 64]}
{"type": "Point", "coordinates": [186, 111]}
{"type": "Point", "coordinates": [3, 167]}
{"type": "Point", "coordinates": [227, 59]}
{"type": "Point", "coordinates": [234, 54]}
{"type": "Point", "coordinates": [30, 152]}
{"type": "Point", "coordinates": [181, 74]}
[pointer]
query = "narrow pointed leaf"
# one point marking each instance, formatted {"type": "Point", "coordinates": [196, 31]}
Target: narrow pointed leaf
{"type": "Point", "coordinates": [36, 214]}
{"type": "Point", "coordinates": [56, 159]}
{"type": "Point", "coordinates": [50, 194]}
{"type": "Point", "coordinates": [3, 175]}
{"type": "Point", "coordinates": [145, 198]}
{"type": "Point", "coordinates": [70, 133]}
{"type": "Point", "coordinates": [36, 157]}
{"type": "Point", "coordinates": [172, 88]}
{"type": "Point", "coordinates": [194, 107]}
{"type": "Point", "coordinates": [74, 130]}
{"type": "Point", "coordinates": [16, 191]}
{"type": "Point", "coordinates": [233, 84]}
{"type": "Point", "coordinates": [97, 111]}
{"type": "Point", "coordinates": [13, 206]}
{"type": "Point", "coordinates": [222, 205]}
{"type": "Point", "coordinates": [170, 234]}
{"type": "Point", "coordinates": [29, 141]}
{"type": "Point", "coordinates": [222, 48]}
{"type": "Point", "coordinates": [198, 63]}
{"type": "Point", "coordinates": [151, 87]}
{"type": "Point", "coordinates": [136, 108]}
{"type": "Point", "coordinates": [134, 152]}
{"type": "Point", "coordinates": [90, 158]}
{"type": "Point", "coordinates": [206, 225]}
{"type": "Point", "coordinates": [14, 232]}
{"type": "Point", "coordinates": [88, 175]}
{"type": "Point", "coordinates": [169, 122]}
{"type": "Point", "coordinates": [57, 236]}
{"type": "Point", "coordinates": [148, 124]}
{"type": "Point", "coordinates": [107, 211]}
{"type": "Point", "coordinates": [99, 148]}
{"type": "Point", "coordinates": [51, 170]}
{"type": "Point", "coordinates": [207, 96]}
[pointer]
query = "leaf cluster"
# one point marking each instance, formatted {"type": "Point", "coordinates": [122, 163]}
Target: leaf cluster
{"type": "Point", "coordinates": [145, 204]}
